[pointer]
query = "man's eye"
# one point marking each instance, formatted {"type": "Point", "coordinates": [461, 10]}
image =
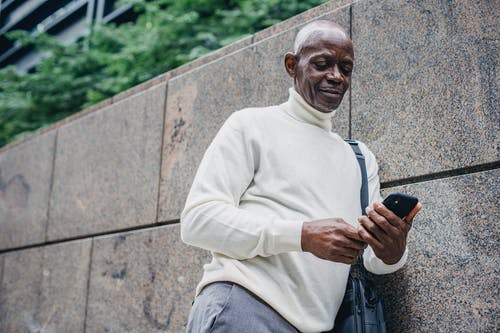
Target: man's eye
{"type": "Point", "coordinates": [346, 70]}
{"type": "Point", "coordinates": [321, 64]}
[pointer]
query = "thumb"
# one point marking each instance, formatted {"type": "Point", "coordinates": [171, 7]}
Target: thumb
{"type": "Point", "coordinates": [411, 215]}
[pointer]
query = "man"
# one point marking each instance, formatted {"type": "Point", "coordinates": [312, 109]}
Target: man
{"type": "Point", "coordinates": [276, 199]}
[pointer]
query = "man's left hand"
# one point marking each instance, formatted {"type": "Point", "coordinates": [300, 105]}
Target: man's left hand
{"type": "Point", "coordinates": [385, 232]}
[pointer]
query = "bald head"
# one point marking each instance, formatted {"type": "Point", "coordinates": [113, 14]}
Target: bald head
{"type": "Point", "coordinates": [314, 28]}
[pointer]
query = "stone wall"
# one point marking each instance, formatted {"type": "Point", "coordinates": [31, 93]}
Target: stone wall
{"type": "Point", "coordinates": [89, 208]}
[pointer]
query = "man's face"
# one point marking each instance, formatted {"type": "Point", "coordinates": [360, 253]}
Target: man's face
{"type": "Point", "coordinates": [323, 69]}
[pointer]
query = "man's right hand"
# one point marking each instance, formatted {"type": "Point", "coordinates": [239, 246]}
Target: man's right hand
{"type": "Point", "coordinates": [332, 239]}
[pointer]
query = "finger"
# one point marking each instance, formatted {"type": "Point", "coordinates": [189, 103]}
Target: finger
{"type": "Point", "coordinates": [351, 232]}
{"type": "Point", "coordinates": [349, 240]}
{"type": "Point", "coordinates": [409, 219]}
{"type": "Point", "coordinates": [350, 254]}
{"type": "Point", "coordinates": [369, 238]}
{"type": "Point", "coordinates": [350, 237]}
{"type": "Point", "coordinates": [345, 260]}
{"type": "Point", "coordinates": [392, 218]}
{"type": "Point", "coordinates": [357, 245]}
{"type": "Point", "coordinates": [382, 222]}
{"type": "Point", "coordinates": [371, 227]}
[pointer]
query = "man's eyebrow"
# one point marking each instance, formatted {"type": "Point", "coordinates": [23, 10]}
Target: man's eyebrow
{"type": "Point", "coordinates": [309, 48]}
{"type": "Point", "coordinates": [347, 59]}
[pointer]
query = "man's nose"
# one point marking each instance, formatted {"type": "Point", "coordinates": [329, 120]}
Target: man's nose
{"type": "Point", "coordinates": [334, 74]}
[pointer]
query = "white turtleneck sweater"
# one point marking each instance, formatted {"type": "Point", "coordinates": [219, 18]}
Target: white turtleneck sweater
{"type": "Point", "coordinates": [267, 171]}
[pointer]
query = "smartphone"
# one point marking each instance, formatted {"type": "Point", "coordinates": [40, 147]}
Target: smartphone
{"type": "Point", "coordinates": [400, 204]}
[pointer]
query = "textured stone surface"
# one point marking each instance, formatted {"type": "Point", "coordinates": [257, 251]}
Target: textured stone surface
{"type": "Point", "coordinates": [199, 102]}
{"type": "Point", "coordinates": [44, 289]}
{"type": "Point", "coordinates": [143, 282]}
{"type": "Point", "coordinates": [425, 75]}
{"type": "Point", "coordinates": [325, 9]}
{"type": "Point", "coordinates": [245, 41]}
{"type": "Point", "coordinates": [107, 168]}
{"type": "Point", "coordinates": [212, 56]}
{"type": "Point", "coordinates": [450, 283]}
{"type": "Point", "coordinates": [1, 268]}
{"type": "Point", "coordinates": [25, 176]}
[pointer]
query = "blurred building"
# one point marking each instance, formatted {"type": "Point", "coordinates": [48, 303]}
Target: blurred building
{"type": "Point", "coordinates": [66, 19]}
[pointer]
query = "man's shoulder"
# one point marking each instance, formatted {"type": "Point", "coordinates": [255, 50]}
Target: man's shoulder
{"type": "Point", "coordinates": [365, 149]}
{"type": "Point", "coordinates": [370, 158]}
{"type": "Point", "coordinates": [258, 112]}
{"type": "Point", "coordinates": [250, 115]}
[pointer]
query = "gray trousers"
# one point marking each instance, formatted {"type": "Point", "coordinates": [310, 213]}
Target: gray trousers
{"type": "Point", "coordinates": [227, 307]}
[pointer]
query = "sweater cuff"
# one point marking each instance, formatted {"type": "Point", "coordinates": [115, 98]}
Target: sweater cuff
{"type": "Point", "coordinates": [377, 266]}
{"type": "Point", "coordinates": [287, 235]}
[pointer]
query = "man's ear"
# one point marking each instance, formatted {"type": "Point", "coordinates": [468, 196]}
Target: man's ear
{"type": "Point", "coordinates": [290, 63]}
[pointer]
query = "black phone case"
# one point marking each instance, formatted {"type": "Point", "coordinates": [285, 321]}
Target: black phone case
{"type": "Point", "coordinates": [400, 204]}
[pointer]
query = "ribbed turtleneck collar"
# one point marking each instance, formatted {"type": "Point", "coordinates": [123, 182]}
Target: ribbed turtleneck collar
{"type": "Point", "coordinates": [300, 110]}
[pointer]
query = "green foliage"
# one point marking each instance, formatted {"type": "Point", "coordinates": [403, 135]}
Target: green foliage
{"type": "Point", "coordinates": [166, 34]}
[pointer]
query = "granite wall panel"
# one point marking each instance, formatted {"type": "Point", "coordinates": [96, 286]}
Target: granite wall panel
{"type": "Point", "coordinates": [107, 168]}
{"type": "Point", "coordinates": [25, 177]}
{"type": "Point", "coordinates": [425, 90]}
{"type": "Point", "coordinates": [199, 101]}
{"type": "Point", "coordinates": [425, 85]}
{"type": "Point", "coordinates": [450, 283]}
{"type": "Point", "coordinates": [1, 268]}
{"type": "Point", "coordinates": [326, 9]}
{"type": "Point", "coordinates": [44, 289]}
{"type": "Point", "coordinates": [143, 282]}
{"type": "Point", "coordinates": [235, 46]}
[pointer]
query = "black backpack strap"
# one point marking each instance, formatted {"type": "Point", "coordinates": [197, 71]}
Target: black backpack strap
{"type": "Point", "coordinates": [358, 266]}
{"type": "Point", "coordinates": [364, 177]}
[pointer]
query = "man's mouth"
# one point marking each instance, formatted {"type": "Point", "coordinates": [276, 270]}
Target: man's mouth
{"type": "Point", "coordinates": [331, 92]}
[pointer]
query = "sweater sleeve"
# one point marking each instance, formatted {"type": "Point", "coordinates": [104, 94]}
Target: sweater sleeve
{"type": "Point", "coordinates": [372, 263]}
{"type": "Point", "coordinates": [212, 218]}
